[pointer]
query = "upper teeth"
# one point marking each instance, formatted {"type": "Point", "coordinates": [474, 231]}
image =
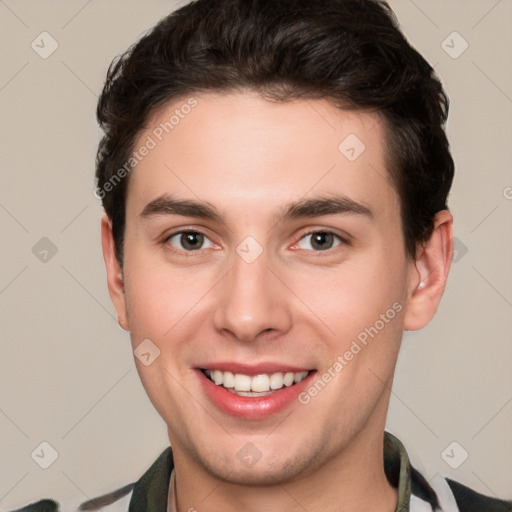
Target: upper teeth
{"type": "Point", "coordinates": [258, 383]}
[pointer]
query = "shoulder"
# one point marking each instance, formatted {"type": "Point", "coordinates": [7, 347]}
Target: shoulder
{"type": "Point", "coordinates": [472, 501]}
{"type": "Point", "coordinates": [148, 493]}
{"type": "Point", "coordinates": [152, 486]}
{"type": "Point", "coordinates": [444, 494]}
{"type": "Point", "coordinates": [40, 506]}
{"type": "Point", "coordinates": [116, 501]}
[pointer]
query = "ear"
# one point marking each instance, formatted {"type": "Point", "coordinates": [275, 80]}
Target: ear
{"type": "Point", "coordinates": [429, 273]}
{"type": "Point", "coordinates": [114, 273]}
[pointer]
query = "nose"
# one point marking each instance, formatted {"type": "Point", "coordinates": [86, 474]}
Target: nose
{"type": "Point", "coordinates": [252, 301]}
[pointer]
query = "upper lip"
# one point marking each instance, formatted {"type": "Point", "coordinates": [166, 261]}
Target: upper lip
{"type": "Point", "coordinates": [253, 369]}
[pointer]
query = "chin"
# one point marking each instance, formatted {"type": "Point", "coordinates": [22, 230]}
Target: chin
{"type": "Point", "coordinates": [276, 469]}
{"type": "Point", "coordinates": [259, 475]}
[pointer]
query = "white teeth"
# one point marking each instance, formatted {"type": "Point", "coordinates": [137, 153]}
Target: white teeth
{"type": "Point", "coordinates": [263, 383]}
{"type": "Point", "coordinates": [288, 378]}
{"type": "Point", "coordinates": [229, 380]}
{"type": "Point", "coordinates": [242, 382]}
{"type": "Point", "coordinates": [300, 376]}
{"type": "Point", "coordinates": [217, 377]}
{"type": "Point", "coordinates": [250, 393]}
{"type": "Point", "coordinates": [260, 383]}
{"type": "Point", "coordinates": [276, 381]}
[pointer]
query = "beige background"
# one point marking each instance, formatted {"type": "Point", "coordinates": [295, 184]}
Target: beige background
{"type": "Point", "coordinates": [67, 371]}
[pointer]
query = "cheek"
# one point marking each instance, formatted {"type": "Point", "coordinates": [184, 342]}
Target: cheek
{"type": "Point", "coordinates": [352, 297]}
{"type": "Point", "coordinates": [160, 298]}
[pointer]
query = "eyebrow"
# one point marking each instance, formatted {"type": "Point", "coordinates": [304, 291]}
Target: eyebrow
{"type": "Point", "coordinates": [167, 205]}
{"type": "Point", "coordinates": [330, 205]}
{"type": "Point", "coordinates": [303, 208]}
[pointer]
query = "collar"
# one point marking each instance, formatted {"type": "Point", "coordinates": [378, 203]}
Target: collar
{"type": "Point", "coordinates": [151, 491]}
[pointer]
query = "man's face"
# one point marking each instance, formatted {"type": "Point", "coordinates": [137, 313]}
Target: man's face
{"type": "Point", "coordinates": [250, 291]}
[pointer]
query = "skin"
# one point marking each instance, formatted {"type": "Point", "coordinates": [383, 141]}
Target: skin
{"type": "Point", "coordinates": [249, 158]}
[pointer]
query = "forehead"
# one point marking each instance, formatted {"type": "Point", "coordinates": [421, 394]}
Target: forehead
{"type": "Point", "coordinates": [239, 150]}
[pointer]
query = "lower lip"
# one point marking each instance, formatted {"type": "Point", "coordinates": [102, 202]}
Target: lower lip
{"type": "Point", "coordinates": [252, 407]}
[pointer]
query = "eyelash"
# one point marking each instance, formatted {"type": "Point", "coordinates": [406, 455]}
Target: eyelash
{"type": "Point", "coordinates": [342, 241]}
{"type": "Point", "coordinates": [184, 252]}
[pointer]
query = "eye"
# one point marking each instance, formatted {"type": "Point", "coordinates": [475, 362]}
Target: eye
{"type": "Point", "coordinates": [190, 241]}
{"type": "Point", "coordinates": [319, 241]}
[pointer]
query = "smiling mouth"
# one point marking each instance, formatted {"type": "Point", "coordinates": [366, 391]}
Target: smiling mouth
{"type": "Point", "coordinates": [257, 385]}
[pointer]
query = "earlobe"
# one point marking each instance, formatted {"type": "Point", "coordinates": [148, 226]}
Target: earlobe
{"type": "Point", "coordinates": [430, 273]}
{"type": "Point", "coordinates": [121, 321]}
{"type": "Point", "coordinates": [114, 273]}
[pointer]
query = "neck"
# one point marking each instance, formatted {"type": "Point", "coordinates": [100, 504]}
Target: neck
{"type": "Point", "coordinates": [352, 480]}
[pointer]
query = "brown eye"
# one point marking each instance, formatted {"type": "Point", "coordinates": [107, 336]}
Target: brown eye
{"type": "Point", "coordinates": [189, 241]}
